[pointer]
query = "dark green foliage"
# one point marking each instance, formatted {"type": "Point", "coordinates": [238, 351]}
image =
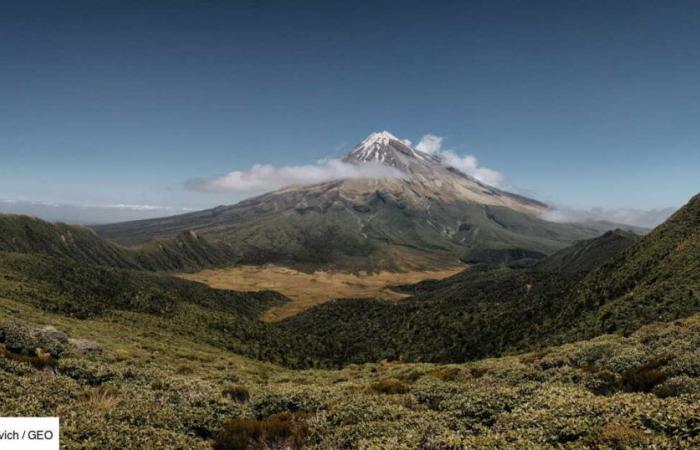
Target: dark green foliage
{"type": "Point", "coordinates": [656, 279]}
{"type": "Point", "coordinates": [585, 256]}
{"type": "Point", "coordinates": [475, 314]}
{"type": "Point", "coordinates": [60, 285]}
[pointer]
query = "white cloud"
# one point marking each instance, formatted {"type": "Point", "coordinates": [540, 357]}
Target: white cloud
{"type": "Point", "coordinates": [470, 165]}
{"type": "Point", "coordinates": [647, 218]}
{"type": "Point", "coordinates": [430, 143]}
{"type": "Point", "coordinates": [264, 177]}
{"type": "Point", "coordinates": [467, 164]}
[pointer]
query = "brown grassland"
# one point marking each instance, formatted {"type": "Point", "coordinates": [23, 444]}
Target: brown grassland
{"type": "Point", "coordinates": [309, 289]}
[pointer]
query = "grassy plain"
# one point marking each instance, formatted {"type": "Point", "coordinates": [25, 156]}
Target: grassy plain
{"type": "Point", "coordinates": [310, 289]}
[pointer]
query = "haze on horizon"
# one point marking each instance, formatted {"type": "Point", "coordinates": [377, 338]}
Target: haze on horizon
{"type": "Point", "coordinates": [110, 110]}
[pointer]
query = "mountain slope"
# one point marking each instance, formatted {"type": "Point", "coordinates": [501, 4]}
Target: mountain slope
{"type": "Point", "coordinates": [431, 215]}
{"type": "Point", "coordinates": [657, 278]}
{"type": "Point", "coordinates": [187, 251]}
{"type": "Point", "coordinates": [586, 255]}
{"type": "Point", "coordinates": [486, 311]}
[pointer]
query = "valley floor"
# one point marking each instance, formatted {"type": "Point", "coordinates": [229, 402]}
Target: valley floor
{"type": "Point", "coordinates": [309, 289]}
{"type": "Point", "coordinates": [153, 387]}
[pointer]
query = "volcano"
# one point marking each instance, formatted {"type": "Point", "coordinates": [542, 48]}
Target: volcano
{"type": "Point", "coordinates": [427, 214]}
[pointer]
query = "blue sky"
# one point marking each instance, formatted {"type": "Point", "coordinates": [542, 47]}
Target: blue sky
{"type": "Point", "coordinates": [118, 103]}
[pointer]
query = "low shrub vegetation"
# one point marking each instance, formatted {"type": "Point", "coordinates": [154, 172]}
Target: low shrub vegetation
{"type": "Point", "coordinates": [389, 386]}
{"type": "Point", "coordinates": [640, 391]}
{"type": "Point", "coordinates": [284, 430]}
{"type": "Point", "coordinates": [237, 393]}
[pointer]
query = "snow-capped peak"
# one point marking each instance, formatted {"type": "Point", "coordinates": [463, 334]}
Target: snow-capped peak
{"type": "Point", "coordinates": [386, 149]}
{"type": "Point", "coordinates": [378, 138]}
{"type": "Point", "coordinates": [373, 148]}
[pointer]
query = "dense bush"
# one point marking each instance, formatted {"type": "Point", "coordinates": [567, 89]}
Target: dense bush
{"type": "Point", "coordinates": [282, 430]}
{"type": "Point", "coordinates": [644, 378]}
{"type": "Point", "coordinates": [389, 386]}
{"type": "Point", "coordinates": [272, 403]}
{"type": "Point", "coordinates": [237, 393]}
{"type": "Point", "coordinates": [21, 339]}
{"type": "Point", "coordinates": [136, 399]}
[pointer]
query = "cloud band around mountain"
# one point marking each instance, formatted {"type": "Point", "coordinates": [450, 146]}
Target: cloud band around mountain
{"type": "Point", "coordinates": [265, 177]}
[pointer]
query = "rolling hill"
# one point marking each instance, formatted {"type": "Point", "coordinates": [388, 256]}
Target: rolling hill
{"type": "Point", "coordinates": [184, 252]}
{"type": "Point", "coordinates": [586, 255]}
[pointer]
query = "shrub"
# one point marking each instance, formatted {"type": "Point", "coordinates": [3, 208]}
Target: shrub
{"type": "Point", "coordinates": [184, 370]}
{"type": "Point", "coordinates": [272, 404]}
{"type": "Point", "coordinates": [237, 393]}
{"type": "Point", "coordinates": [18, 338]}
{"type": "Point", "coordinates": [445, 373]}
{"type": "Point", "coordinates": [673, 387]}
{"type": "Point", "coordinates": [237, 434]}
{"type": "Point", "coordinates": [644, 378]}
{"type": "Point", "coordinates": [51, 346]}
{"type": "Point", "coordinates": [23, 339]}
{"type": "Point", "coordinates": [619, 436]}
{"type": "Point", "coordinates": [590, 353]}
{"type": "Point", "coordinates": [283, 430]}
{"type": "Point", "coordinates": [478, 372]}
{"type": "Point", "coordinates": [410, 375]}
{"type": "Point", "coordinates": [389, 386]}
{"type": "Point", "coordinates": [533, 357]}
{"type": "Point", "coordinates": [39, 361]}
{"type": "Point", "coordinates": [686, 364]}
{"type": "Point", "coordinates": [601, 381]}
{"type": "Point", "coordinates": [87, 373]}
{"type": "Point", "coordinates": [158, 385]}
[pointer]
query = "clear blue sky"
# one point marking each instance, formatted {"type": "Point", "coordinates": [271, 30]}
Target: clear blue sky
{"type": "Point", "coordinates": [585, 103]}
